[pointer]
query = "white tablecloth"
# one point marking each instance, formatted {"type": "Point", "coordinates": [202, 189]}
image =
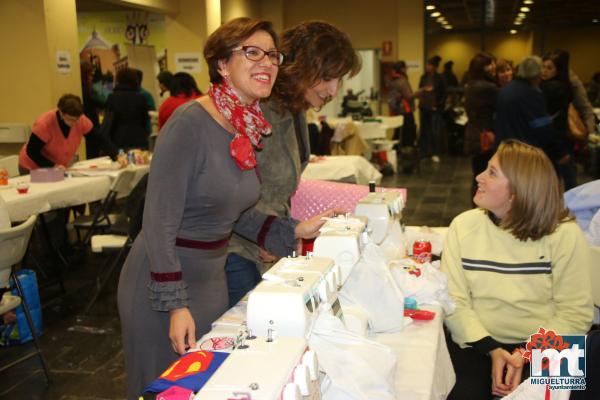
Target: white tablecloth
{"type": "Point", "coordinates": [43, 197]}
{"type": "Point", "coordinates": [104, 166]}
{"type": "Point", "coordinates": [350, 169]}
{"type": "Point", "coordinates": [371, 130]}
{"type": "Point", "coordinates": [424, 369]}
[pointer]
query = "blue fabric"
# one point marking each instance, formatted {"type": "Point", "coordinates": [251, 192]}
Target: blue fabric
{"type": "Point", "coordinates": [190, 380]}
{"type": "Point", "coordinates": [584, 203]}
{"type": "Point", "coordinates": [20, 332]}
{"type": "Point", "coordinates": [242, 277]}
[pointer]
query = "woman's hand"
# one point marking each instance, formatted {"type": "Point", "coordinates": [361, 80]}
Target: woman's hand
{"type": "Point", "coordinates": [310, 228]}
{"type": "Point", "coordinates": [513, 375]}
{"type": "Point", "coordinates": [182, 330]}
{"type": "Point", "coordinates": [265, 256]}
{"type": "Point", "coordinates": [122, 160]}
{"type": "Point", "coordinates": [504, 383]}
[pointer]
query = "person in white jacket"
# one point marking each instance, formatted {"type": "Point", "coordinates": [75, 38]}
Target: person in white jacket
{"type": "Point", "coordinates": [517, 263]}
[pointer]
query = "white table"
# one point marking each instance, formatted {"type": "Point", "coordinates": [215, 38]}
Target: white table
{"type": "Point", "coordinates": [424, 370]}
{"type": "Point", "coordinates": [104, 166]}
{"type": "Point", "coordinates": [371, 130]}
{"type": "Point", "coordinates": [43, 197]}
{"type": "Point", "coordinates": [350, 169]}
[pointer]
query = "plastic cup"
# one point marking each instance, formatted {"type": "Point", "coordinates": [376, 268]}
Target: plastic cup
{"type": "Point", "coordinates": [22, 187]}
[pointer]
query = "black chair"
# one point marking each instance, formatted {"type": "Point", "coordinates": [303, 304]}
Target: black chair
{"type": "Point", "coordinates": [102, 218]}
{"type": "Point", "coordinates": [119, 237]}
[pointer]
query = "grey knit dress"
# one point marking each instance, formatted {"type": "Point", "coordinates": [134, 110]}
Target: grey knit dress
{"type": "Point", "coordinates": [195, 192]}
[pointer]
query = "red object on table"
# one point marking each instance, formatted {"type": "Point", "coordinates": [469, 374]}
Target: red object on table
{"type": "Point", "coordinates": [419, 315]}
{"type": "Point", "coordinates": [307, 245]}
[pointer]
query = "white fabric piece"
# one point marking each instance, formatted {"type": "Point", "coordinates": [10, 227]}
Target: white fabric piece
{"type": "Point", "coordinates": [394, 244]}
{"type": "Point", "coordinates": [424, 282]}
{"type": "Point", "coordinates": [336, 168]}
{"type": "Point", "coordinates": [527, 391]}
{"type": "Point", "coordinates": [371, 287]}
{"type": "Point", "coordinates": [4, 217]}
{"type": "Point", "coordinates": [356, 367]}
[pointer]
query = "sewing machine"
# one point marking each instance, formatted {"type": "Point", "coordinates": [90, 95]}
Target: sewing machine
{"type": "Point", "coordinates": [342, 239]}
{"type": "Point", "coordinates": [285, 303]}
{"type": "Point", "coordinates": [265, 368]}
{"type": "Point", "coordinates": [382, 209]}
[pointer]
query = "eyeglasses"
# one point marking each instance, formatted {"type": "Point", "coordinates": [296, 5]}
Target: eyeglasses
{"type": "Point", "coordinates": [254, 53]}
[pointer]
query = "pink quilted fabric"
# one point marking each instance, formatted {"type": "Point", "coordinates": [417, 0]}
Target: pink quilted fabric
{"type": "Point", "coordinates": [314, 196]}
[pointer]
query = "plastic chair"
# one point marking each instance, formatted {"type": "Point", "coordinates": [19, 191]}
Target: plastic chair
{"type": "Point", "coordinates": [102, 218]}
{"type": "Point", "coordinates": [13, 244]}
{"type": "Point", "coordinates": [11, 163]}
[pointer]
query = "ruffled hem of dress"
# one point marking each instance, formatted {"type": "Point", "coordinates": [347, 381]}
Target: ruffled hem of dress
{"type": "Point", "coordinates": [166, 296]}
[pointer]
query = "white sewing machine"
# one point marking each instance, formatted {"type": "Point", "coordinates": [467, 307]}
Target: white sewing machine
{"type": "Point", "coordinates": [342, 239]}
{"type": "Point", "coordinates": [285, 303]}
{"type": "Point", "coordinates": [382, 209]}
{"type": "Point", "coordinates": [265, 369]}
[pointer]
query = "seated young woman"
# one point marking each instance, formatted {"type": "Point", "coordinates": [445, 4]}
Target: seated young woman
{"type": "Point", "coordinates": [517, 263]}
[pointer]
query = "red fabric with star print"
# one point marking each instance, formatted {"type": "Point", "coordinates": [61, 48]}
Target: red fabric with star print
{"type": "Point", "coordinates": [248, 121]}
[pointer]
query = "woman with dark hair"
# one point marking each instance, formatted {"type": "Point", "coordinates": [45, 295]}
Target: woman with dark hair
{"type": "Point", "coordinates": [202, 186]}
{"type": "Point", "coordinates": [56, 134]}
{"type": "Point", "coordinates": [183, 89]}
{"type": "Point", "coordinates": [165, 81]}
{"type": "Point", "coordinates": [504, 72]}
{"type": "Point", "coordinates": [513, 266]}
{"type": "Point", "coordinates": [318, 55]}
{"type": "Point", "coordinates": [401, 101]}
{"type": "Point", "coordinates": [481, 94]}
{"type": "Point", "coordinates": [126, 121]}
{"type": "Point", "coordinates": [558, 94]}
{"type": "Point", "coordinates": [431, 107]}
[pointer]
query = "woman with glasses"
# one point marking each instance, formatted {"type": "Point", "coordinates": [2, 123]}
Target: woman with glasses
{"type": "Point", "coordinates": [201, 181]}
{"type": "Point", "coordinates": [317, 56]}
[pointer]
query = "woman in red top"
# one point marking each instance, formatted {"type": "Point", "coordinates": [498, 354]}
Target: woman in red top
{"type": "Point", "coordinates": [56, 135]}
{"type": "Point", "coordinates": [183, 89]}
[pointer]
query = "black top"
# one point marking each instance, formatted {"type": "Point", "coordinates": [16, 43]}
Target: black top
{"type": "Point", "coordinates": [127, 118]}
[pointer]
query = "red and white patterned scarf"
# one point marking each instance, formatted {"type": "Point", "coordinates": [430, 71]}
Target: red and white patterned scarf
{"type": "Point", "coordinates": [247, 120]}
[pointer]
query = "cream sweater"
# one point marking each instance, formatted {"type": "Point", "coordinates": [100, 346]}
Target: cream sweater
{"type": "Point", "coordinates": [508, 289]}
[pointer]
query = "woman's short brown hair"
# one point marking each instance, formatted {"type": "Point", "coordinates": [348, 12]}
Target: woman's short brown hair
{"type": "Point", "coordinates": [228, 36]}
{"type": "Point", "coordinates": [537, 205]}
{"type": "Point", "coordinates": [70, 105]}
{"type": "Point", "coordinates": [503, 65]}
{"type": "Point", "coordinates": [314, 51]}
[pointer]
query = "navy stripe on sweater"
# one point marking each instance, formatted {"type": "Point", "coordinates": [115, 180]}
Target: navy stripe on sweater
{"type": "Point", "coordinates": [544, 267]}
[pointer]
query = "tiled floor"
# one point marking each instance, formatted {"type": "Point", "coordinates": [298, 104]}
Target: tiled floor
{"type": "Point", "coordinates": [84, 352]}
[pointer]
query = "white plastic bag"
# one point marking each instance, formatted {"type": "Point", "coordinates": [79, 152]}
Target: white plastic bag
{"type": "Point", "coordinates": [356, 367]}
{"type": "Point", "coordinates": [423, 282]}
{"type": "Point", "coordinates": [372, 288]}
